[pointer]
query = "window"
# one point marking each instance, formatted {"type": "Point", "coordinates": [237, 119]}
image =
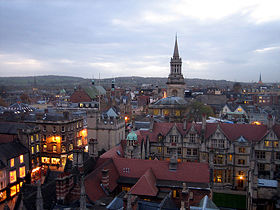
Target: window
{"type": "Point", "coordinates": [277, 156]}
{"type": "Point", "coordinates": [218, 175]}
{"type": "Point", "coordinates": [22, 172]}
{"type": "Point", "coordinates": [179, 151]}
{"type": "Point", "coordinates": [218, 159]}
{"type": "Point", "coordinates": [37, 148]}
{"type": "Point", "coordinates": [62, 128]}
{"type": "Point", "coordinates": [261, 166]}
{"type": "Point", "coordinates": [189, 152]}
{"type": "Point", "coordinates": [173, 139]}
{"type": "Point", "coordinates": [45, 160]}
{"type": "Point", "coordinates": [192, 138]}
{"type": "Point", "coordinates": [31, 139]}
{"type": "Point", "coordinates": [267, 143]}
{"type": "Point", "coordinates": [44, 128]}
{"type": "Point", "coordinates": [13, 190]}
{"type": "Point", "coordinates": [44, 147]}
{"type": "Point", "coordinates": [125, 189]}
{"type": "Point", "coordinates": [12, 162]}
{"type": "Point", "coordinates": [21, 160]}
{"type": "Point", "coordinates": [159, 149]}
{"type": "Point", "coordinates": [54, 129]}
{"type": "Point", "coordinates": [230, 157]}
{"type": "Point", "coordinates": [54, 148]}
{"type": "Point", "coordinates": [241, 162]}
{"type": "Point", "coordinates": [241, 150]}
{"type": "Point", "coordinates": [3, 195]}
{"type": "Point", "coordinates": [168, 151]}
{"type": "Point", "coordinates": [276, 144]}
{"type": "Point", "coordinates": [194, 151]}
{"type": "Point", "coordinates": [13, 176]}
{"type": "Point", "coordinates": [63, 138]}
{"type": "Point", "coordinates": [70, 147]}
{"type": "Point", "coordinates": [221, 143]}
{"type": "Point", "coordinates": [260, 155]}
{"type": "Point", "coordinates": [37, 137]}
{"type": "Point", "coordinates": [32, 150]}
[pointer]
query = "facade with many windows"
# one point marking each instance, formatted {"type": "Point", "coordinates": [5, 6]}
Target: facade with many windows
{"type": "Point", "coordinates": [230, 149]}
{"type": "Point", "coordinates": [14, 161]}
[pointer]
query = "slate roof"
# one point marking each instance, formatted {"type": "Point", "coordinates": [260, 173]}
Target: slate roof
{"type": "Point", "coordinates": [13, 127]}
{"type": "Point", "coordinates": [11, 150]}
{"type": "Point", "coordinates": [94, 91]}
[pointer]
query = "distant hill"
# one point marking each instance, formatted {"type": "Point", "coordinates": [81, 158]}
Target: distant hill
{"type": "Point", "coordinates": [53, 81]}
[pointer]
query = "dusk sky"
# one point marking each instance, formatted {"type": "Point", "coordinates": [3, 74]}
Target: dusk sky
{"type": "Point", "coordinates": [218, 39]}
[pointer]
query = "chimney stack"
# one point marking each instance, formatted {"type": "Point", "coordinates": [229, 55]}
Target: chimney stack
{"type": "Point", "coordinates": [105, 178]}
{"type": "Point", "coordinates": [270, 121]}
{"type": "Point", "coordinates": [185, 124]}
{"type": "Point", "coordinates": [173, 163]}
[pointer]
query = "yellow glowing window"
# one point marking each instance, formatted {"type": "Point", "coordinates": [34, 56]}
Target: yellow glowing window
{"type": "Point", "coordinates": [21, 159]}
{"type": "Point", "coordinates": [3, 196]}
{"type": "Point", "coordinates": [79, 142]}
{"type": "Point", "coordinates": [13, 190]}
{"type": "Point", "coordinates": [12, 162]}
{"type": "Point", "coordinates": [54, 148]}
{"type": "Point", "coordinates": [156, 112]}
{"type": "Point", "coordinates": [125, 189]}
{"type": "Point", "coordinates": [31, 138]}
{"type": "Point", "coordinates": [166, 112]}
{"type": "Point", "coordinates": [159, 149]}
{"type": "Point", "coordinates": [45, 160]}
{"type": "Point", "coordinates": [37, 148]}
{"type": "Point", "coordinates": [276, 143]}
{"type": "Point", "coordinates": [70, 157]}
{"type": "Point", "coordinates": [32, 150]}
{"type": "Point", "coordinates": [174, 193]}
{"type": "Point", "coordinates": [18, 188]}
{"type": "Point", "coordinates": [13, 176]}
{"type": "Point", "coordinates": [230, 157]}
{"type": "Point", "coordinates": [71, 147]}
{"type": "Point", "coordinates": [55, 161]}
{"type": "Point", "coordinates": [20, 184]}
{"type": "Point", "coordinates": [239, 110]}
{"type": "Point", "coordinates": [37, 137]}
{"type": "Point", "coordinates": [219, 179]}
{"type": "Point", "coordinates": [22, 172]}
{"type": "Point", "coordinates": [266, 143]}
{"type": "Point", "coordinates": [177, 113]}
{"type": "Point", "coordinates": [44, 147]}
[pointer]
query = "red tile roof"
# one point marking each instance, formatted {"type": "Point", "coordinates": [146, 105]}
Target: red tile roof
{"type": "Point", "coordinates": [250, 132]}
{"type": "Point", "coordinates": [186, 171]}
{"type": "Point", "coordinates": [146, 185]}
{"type": "Point", "coordinates": [113, 153]}
{"type": "Point", "coordinates": [93, 180]}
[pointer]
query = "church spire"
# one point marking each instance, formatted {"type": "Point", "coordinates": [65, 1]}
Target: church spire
{"type": "Point", "coordinates": [260, 79]}
{"type": "Point", "coordinates": [176, 51]}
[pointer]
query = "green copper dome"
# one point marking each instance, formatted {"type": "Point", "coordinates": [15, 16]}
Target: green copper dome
{"type": "Point", "coordinates": [132, 136]}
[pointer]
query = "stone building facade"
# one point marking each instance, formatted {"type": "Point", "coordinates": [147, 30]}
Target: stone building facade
{"type": "Point", "coordinates": [228, 148]}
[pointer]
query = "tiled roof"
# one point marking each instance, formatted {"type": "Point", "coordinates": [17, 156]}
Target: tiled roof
{"type": "Point", "coordinates": [93, 180]}
{"type": "Point", "coordinates": [12, 127]}
{"type": "Point", "coordinates": [146, 185]}
{"type": "Point", "coordinates": [115, 152]}
{"type": "Point", "coordinates": [250, 132]}
{"type": "Point", "coordinates": [185, 172]}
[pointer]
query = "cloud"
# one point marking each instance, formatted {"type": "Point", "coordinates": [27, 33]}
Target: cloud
{"type": "Point", "coordinates": [267, 49]}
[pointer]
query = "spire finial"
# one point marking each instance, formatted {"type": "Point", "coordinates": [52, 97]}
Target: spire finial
{"type": "Point", "coordinates": [176, 51]}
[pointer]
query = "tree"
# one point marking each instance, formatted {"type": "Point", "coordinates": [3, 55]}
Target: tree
{"type": "Point", "coordinates": [196, 109]}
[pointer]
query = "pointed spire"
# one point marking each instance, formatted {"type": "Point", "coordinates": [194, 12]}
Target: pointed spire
{"type": "Point", "coordinates": [39, 197]}
{"type": "Point", "coordinates": [176, 51]}
{"type": "Point", "coordinates": [260, 79]}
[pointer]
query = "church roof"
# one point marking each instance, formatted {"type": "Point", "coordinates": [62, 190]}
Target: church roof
{"type": "Point", "coordinates": [132, 136]}
{"type": "Point", "coordinates": [171, 100]}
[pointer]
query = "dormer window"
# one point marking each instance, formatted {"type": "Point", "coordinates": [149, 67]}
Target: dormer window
{"type": "Point", "coordinates": [192, 138]}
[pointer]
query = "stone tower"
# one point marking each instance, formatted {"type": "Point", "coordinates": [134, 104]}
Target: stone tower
{"type": "Point", "coordinates": [175, 82]}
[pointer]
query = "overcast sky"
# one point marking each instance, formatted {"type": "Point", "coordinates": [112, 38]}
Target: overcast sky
{"type": "Point", "coordinates": [218, 39]}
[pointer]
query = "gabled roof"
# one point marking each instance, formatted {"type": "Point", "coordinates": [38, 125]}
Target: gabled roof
{"type": "Point", "coordinates": [11, 150]}
{"type": "Point", "coordinates": [146, 185]}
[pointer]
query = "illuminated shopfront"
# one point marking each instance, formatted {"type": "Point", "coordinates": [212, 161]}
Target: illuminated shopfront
{"type": "Point", "coordinates": [3, 195]}
{"type": "Point", "coordinates": [35, 174]}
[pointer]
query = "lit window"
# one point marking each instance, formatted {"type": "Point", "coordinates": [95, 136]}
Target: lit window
{"type": "Point", "coordinates": [230, 157]}
{"type": "Point", "coordinates": [276, 143]}
{"type": "Point", "coordinates": [3, 195]}
{"type": "Point", "coordinates": [22, 172]}
{"type": "Point", "coordinates": [63, 149]}
{"type": "Point", "coordinates": [32, 150]}
{"type": "Point", "coordinates": [267, 143]}
{"type": "Point", "coordinates": [45, 160]}
{"type": "Point", "coordinates": [13, 176]}
{"type": "Point", "coordinates": [31, 138]}
{"type": "Point", "coordinates": [54, 148]}
{"type": "Point", "coordinates": [13, 190]}
{"type": "Point", "coordinates": [21, 159]}
{"type": "Point", "coordinates": [70, 147]}
{"type": "Point", "coordinates": [241, 150]}
{"type": "Point", "coordinates": [55, 161]}
{"type": "Point", "coordinates": [79, 142]}
{"type": "Point", "coordinates": [12, 162]}
{"type": "Point", "coordinates": [37, 148]}
{"type": "Point", "coordinates": [44, 148]}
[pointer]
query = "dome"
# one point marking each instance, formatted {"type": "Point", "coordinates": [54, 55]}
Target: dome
{"type": "Point", "coordinates": [132, 136]}
{"type": "Point", "coordinates": [171, 100]}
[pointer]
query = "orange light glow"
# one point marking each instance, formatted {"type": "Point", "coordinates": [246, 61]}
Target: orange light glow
{"type": "Point", "coordinates": [126, 118]}
{"type": "Point", "coordinates": [164, 94]}
{"type": "Point", "coordinates": [256, 123]}
{"type": "Point", "coordinates": [35, 169]}
{"type": "Point", "coordinates": [83, 133]}
{"type": "Point", "coordinates": [241, 177]}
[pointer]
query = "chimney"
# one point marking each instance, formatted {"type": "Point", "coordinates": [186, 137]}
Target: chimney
{"type": "Point", "coordinates": [173, 163]}
{"type": "Point", "coordinates": [66, 115]}
{"type": "Point", "coordinates": [151, 123]}
{"type": "Point", "coordinates": [184, 197]}
{"type": "Point", "coordinates": [185, 124]}
{"type": "Point", "coordinates": [270, 121]}
{"type": "Point", "coordinates": [203, 127]}
{"type": "Point", "coordinates": [78, 157]}
{"type": "Point", "coordinates": [92, 148]}
{"type": "Point", "coordinates": [105, 178]}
